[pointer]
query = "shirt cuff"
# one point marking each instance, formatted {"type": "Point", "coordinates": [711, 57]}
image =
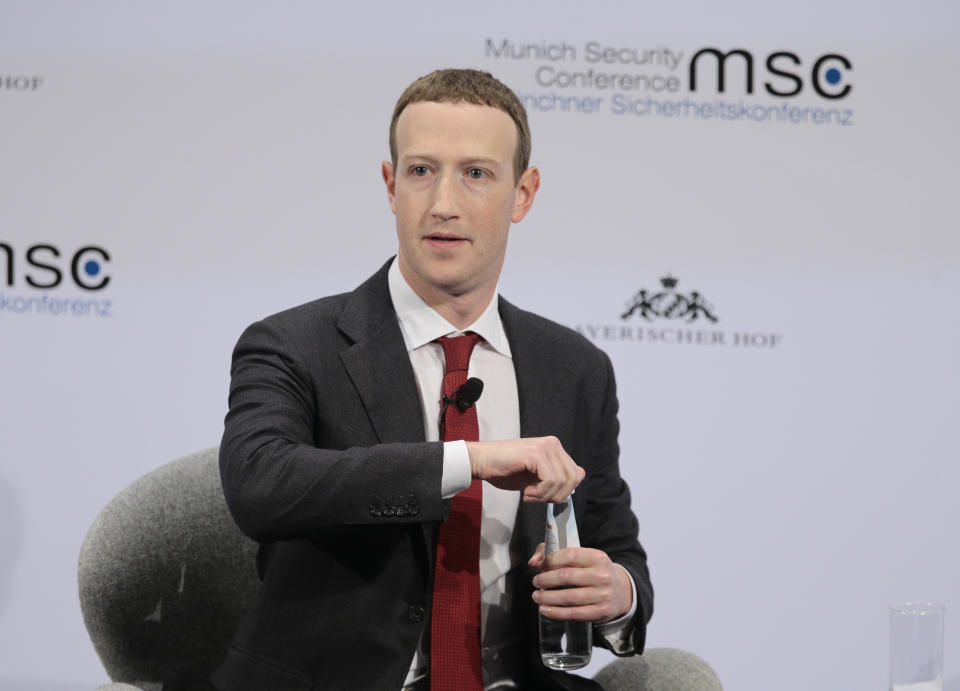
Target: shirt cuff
{"type": "Point", "coordinates": [617, 632]}
{"type": "Point", "coordinates": [456, 469]}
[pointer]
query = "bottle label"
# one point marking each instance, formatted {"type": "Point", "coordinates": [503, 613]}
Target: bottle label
{"type": "Point", "coordinates": [561, 527]}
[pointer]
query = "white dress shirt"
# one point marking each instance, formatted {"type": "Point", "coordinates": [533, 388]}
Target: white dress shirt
{"type": "Point", "coordinates": [498, 417]}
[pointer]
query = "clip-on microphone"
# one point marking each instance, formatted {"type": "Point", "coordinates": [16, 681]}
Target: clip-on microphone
{"type": "Point", "coordinates": [464, 397]}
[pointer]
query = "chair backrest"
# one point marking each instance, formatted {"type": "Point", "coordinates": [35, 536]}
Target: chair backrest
{"type": "Point", "coordinates": [165, 576]}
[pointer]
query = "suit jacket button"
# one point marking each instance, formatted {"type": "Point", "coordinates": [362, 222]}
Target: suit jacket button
{"type": "Point", "coordinates": [415, 613]}
{"type": "Point", "coordinates": [389, 510]}
{"type": "Point", "coordinates": [375, 510]}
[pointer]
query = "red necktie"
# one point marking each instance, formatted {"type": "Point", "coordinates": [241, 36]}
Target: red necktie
{"type": "Point", "coordinates": [455, 622]}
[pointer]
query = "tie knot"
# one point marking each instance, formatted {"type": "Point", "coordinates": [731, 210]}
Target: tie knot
{"type": "Point", "coordinates": [457, 349]}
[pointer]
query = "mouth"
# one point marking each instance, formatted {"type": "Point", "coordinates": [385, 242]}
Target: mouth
{"type": "Point", "coordinates": [444, 239]}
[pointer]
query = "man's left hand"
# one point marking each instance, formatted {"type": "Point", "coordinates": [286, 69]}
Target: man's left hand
{"type": "Point", "coordinates": [590, 587]}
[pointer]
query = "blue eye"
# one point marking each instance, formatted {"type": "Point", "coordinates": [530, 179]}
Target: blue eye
{"type": "Point", "coordinates": [476, 173]}
{"type": "Point", "coordinates": [419, 170]}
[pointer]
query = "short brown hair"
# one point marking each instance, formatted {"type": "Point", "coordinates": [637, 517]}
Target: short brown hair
{"type": "Point", "coordinates": [467, 86]}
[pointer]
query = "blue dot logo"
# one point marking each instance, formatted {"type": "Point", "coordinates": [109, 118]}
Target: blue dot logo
{"type": "Point", "coordinates": [833, 76]}
{"type": "Point", "coordinates": [92, 268]}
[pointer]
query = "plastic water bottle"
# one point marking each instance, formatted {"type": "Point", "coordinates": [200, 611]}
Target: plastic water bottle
{"type": "Point", "coordinates": [564, 645]}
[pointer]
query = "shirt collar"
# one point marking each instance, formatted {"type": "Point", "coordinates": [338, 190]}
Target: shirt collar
{"type": "Point", "coordinates": [420, 324]}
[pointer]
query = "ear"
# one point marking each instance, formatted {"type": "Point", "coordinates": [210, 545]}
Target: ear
{"type": "Point", "coordinates": [526, 191]}
{"type": "Point", "coordinates": [386, 170]}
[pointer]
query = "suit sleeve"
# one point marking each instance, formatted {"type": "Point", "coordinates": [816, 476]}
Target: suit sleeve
{"type": "Point", "coordinates": [609, 522]}
{"type": "Point", "coordinates": [288, 462]}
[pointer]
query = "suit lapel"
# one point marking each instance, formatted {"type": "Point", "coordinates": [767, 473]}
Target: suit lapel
{"type": "Point", "coordinates": [378, 363]}
{"type": "Point", "coordinates": [379, 366]}
{"type": "Point", "coordinates": [539, 389]}
{"type": "Point", "coordinates": [531, 363]}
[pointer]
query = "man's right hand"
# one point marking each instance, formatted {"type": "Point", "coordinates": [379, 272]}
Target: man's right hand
{"type": "Point", "coordinates": [538, 467]}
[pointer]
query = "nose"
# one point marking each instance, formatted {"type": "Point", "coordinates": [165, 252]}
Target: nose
{"type": "Point", "coordinates": [444, 198]}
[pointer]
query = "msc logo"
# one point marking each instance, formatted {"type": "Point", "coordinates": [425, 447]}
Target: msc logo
{"type": "Point", "coordinates": [828, 76]}
{"type": "Point", "coordinates": [46, 264]}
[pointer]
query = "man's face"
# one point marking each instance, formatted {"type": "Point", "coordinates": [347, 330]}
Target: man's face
{"type": "Point", "coordinates": [454, 195]}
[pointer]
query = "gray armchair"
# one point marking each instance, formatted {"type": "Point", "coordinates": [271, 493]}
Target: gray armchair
{"type": "Point", "coordinates": [165, 576]}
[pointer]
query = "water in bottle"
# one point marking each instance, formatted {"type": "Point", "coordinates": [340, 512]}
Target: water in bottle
{"type": "Point", "coordinates": [564, 645]}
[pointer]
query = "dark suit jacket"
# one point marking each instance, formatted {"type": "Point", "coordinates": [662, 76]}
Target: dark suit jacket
{"type": "Point", "coordinates": [324, 463]}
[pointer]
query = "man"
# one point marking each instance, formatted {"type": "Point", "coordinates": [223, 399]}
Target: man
{"type": "Point", "coordinates": [331, 456]}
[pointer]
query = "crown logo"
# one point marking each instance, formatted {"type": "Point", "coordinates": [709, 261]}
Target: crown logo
{"type": "Point", "coordinates": [668, 281]}
{"type": "Point", "coordinates": [669, 304]}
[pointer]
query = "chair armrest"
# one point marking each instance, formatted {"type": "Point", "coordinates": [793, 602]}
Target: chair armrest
{"type": "Point", "coordinates": [659, 669]}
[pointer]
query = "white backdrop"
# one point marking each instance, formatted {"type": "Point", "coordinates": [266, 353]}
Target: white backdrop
{"type": "Point", "coordinates": [793, 464]}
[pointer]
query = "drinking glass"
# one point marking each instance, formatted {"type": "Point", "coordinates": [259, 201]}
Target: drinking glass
{"type": "Point", "coordinates": [916, 646]}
